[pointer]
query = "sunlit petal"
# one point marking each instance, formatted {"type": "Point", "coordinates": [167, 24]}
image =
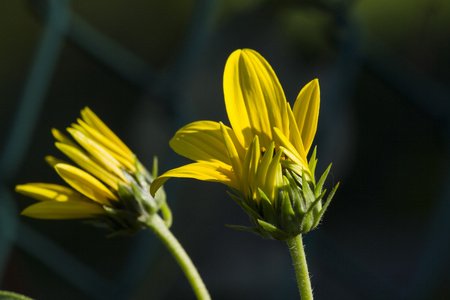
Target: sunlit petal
{"type": "Point", "coordinates": [263, 167]}
{"type": "Point", "coordinates": [54, 210]}
{"type": "Point", "coordinates": [273, 178]}
{"type": "Point", "coordinates": [117, 152]}
{"type": "Point", "coordinates": [89, 165]}
{"type": "Point", "coordinates": [49, 192]}
{"type": "Point", "coordinates": [206, 171]}
{"type": "Point", "coordinates": [53, 161]}
{"type": "Point", "coordinates": [85, 183]}
{"type": "Point", "coordinates": [291, 151]}
{"type": "Point", "coordinates": [202, 141]}
{"type": "Point", "coordinates": [91, 118]}
{"type": "Point", "coordinates": [100, 154]}
{"type": "Point", "coordinates": [250, 168]}
{"type": "Point", "coordinates": [254, 99]}
{"type": "Point", "coordinates": [60, 137]}
{"type": "Point", "coordinates": [232, 153]}
{"type": "Point", "coordinates": [306, 112]}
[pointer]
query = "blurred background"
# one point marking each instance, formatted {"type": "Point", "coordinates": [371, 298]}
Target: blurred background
{"type": "Point", "coordinates": [149, 67]}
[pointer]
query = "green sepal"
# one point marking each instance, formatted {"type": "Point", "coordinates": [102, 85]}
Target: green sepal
{"type": "Point", "coordinates": [120, 221]}
{"type": "Point", "coordinates": [245, 206]}
{"type": "Point", "coordinates": [308, 193]}
{"type": "Point", "coordinates": [144, 198]}
{"type": "Point", "coordinates": [244, 228]}
{"type": "Point", "coordinates": [289, 222]}
{"type": "Point", "coordinates": [309, 219]}
{"type": "Point", "coordinates": [312, 164]}
{"type": "Point", "coordinates": [160, 196]}
{"type": "Point", "coordinates": [273, 231]}
{"type": "Point", "coordinates": [269, 214]}
{"type": "Point", "coordinates": [167, 214]}
{"type": "Point", "coordinates": [154, 168]}
{"type": "Point", "coordinates": [298, 202]}
{"type": "Point", "coordinates": [127, 198]}
{"type": "Point", "coordinates": [325, 206]}
{"type": "Point", "coordinates": [319, 186]}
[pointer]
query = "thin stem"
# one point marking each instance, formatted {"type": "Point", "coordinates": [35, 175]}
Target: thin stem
{"type": "Point", "coordinates": [301, 267]}
{"type": "Point", "coordinates": [157, 225]}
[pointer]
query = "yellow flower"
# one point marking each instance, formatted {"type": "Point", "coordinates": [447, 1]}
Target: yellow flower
{"type": "Point", "coordinates": [256, 107]}
{"type": "Point", "coordinates": [264, 152]}
{"type": "Point", "coordinates": [109, 185]}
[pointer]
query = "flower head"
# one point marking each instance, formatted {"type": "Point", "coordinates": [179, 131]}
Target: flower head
{"type": "Point", "coordinates": [109, 185]}
{"type": "Point", "coordinates": [262, 157]}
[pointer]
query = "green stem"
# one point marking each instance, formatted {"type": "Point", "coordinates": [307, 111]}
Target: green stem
{"type": "Point", "coordinates": [156, 224]}
{"type": "Point", "coordinates": [301, 267]}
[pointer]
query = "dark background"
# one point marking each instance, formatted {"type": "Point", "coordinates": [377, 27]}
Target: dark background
{"type": "Point", "coordinates": [149, 67]}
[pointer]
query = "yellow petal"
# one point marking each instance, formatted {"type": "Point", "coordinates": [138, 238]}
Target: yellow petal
{"type": "Point", "coordinates": [115, 150]}
{"type": "Point", "coordinates": [294, 135]}
{"type": "Point", "coordinates": [232, 153]}
{"type": "Point", "coordinates": [206, 171]}
{"type": "Point", "coordinates": [263, 168]}
{"type": "Point", "coordinates": [306, 112]}
{"type": "Point", "coordinates": [60, 137]}
{"type": "Point", "coordinates": [100, 154]}
{"type": "Point", "coordinates": [289, 149]}
{"type": "Point", "coordinates": [85, 183]}
{"type": "Point", "coordinates": [202, 141]}
{"type": "Point", "coordinates": [89, 165]}
{"type": "Point", "coordinates": [49, 192]}
{"type": "Point", "coordinates": [63, 210]}
{"type": "Point", "coordinates": [254, 99]}
{"type": "Point", "coordinates": [91, 118]}
{"type": "Point", "coordinates": [250, 168]}
{"type": "Point", "coordinates": [52, 161]}
{"type": "Point", "coordinates": [274, 178]}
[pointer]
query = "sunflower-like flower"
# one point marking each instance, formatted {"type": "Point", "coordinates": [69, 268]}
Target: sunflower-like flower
{"type": "Point", "coordinates": [109, 186]}
{"type": "Point", "coordinates": [262, 157]}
